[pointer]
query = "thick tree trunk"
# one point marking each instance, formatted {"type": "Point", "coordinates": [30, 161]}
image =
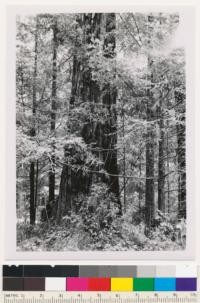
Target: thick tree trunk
{"type": "Point", "coordinates": [110, 127]}
{"type": "Point", "coordinates": [53, 114]}
{"type": "Point", "coordinates": [180, 128]}
{"type": "Point", "coordinates": [84, 89]}
{"type": "Point", "coordinates": [150, 138]}
{"type": "Point", "coordinates": [161, 162]}
{"type": "Point", "coordinates": [33, 132]}
{"type": "Point", "coordinates": [102, 136]}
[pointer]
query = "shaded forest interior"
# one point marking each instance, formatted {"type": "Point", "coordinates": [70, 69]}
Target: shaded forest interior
{"type": "Point", "coordinates": [100, 117]}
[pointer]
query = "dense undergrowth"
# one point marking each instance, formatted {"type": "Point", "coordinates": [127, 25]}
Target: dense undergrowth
{"type": "Point", "coordinates": [98, 226]}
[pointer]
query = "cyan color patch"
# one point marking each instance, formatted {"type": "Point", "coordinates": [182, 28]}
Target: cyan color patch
{"type": "Point", "coordinates": [165, 284]}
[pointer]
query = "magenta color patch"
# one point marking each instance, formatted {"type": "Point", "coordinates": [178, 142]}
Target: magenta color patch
{"type": "Point", "coordinates": [76, 284]}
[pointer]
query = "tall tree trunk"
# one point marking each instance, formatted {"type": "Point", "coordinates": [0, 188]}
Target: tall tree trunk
{"type": "Point", "coordinates": [180, 128]}
{"type": "Point", "coordinates": [53, 113]}
{"type": "Point", "coordinates": [124, 156]}
{"type": "Point", "coordinates": [140, 184]}
{"type": "Point", "coordinates": [149, 192]}
{"type": "Point", "coordinates": [33, 132]}
{"type": "Point", "coordinates": [102, 136]}
{"type": "Point", "coordinates": [168, 168]}
{"type": "Point", "coordinates": [161, 161]}
{"type": "Point", "coordinates": [32, 193]}
{"type": "Point", "coordinates": [84, 89]}
{"type": "Point", "coordinates": [110, 127]}
{"type": "Point", "coordinates": [36, 182]}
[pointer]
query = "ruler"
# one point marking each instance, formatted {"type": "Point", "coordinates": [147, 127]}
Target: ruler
{"type": "Point", "coordinates": [99, 297]}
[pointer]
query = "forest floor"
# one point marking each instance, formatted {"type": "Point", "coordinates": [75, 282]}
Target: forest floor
{"type": "Point", "coordinates": [65, 237]}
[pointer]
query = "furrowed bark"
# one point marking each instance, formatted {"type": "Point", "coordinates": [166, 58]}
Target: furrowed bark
{"type": "Point", "coordinates": [85, 89]}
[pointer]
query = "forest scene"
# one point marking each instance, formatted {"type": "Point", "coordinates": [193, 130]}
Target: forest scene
{"type": "Point", "coordinates": [100, 132]}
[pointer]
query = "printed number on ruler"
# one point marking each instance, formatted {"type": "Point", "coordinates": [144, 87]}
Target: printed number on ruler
{"type": "Point", "coordinates": [103, 297]}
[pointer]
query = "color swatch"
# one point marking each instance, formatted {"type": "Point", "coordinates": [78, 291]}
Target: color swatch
{"type": "Point", "coordinates": [165, 284]}
{"type": "Point", "coordinates": [34, 284]}
{"type": "Point", "coordinates": [121, 284]}
{"type": "Point", "coordinates": [144, 284]}
{"type": "Point", "coordinates": [99, 278]}
{"type": "Point", "coordinates": [186, 284]}
{"type": "Point", "coordinates": [99, 284]}
{"type": "Point", "coordinates": [77, 284]}
{"type": "Point", "coordinates": [55, 284]}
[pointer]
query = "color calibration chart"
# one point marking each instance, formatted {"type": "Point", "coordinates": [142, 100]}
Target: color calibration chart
{"type": "Point", "coordinates": [99, 284]}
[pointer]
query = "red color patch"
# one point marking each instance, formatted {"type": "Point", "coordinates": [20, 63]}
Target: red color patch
{"type": "Point", "coordinates": [99, 284]}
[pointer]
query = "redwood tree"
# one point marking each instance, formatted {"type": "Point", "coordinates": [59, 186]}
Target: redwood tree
{"type": "Point", "coordinates": [102, 136]}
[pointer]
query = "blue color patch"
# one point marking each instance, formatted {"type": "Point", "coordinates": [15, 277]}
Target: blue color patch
{"type": "Point", "coordinates": [165, 284]}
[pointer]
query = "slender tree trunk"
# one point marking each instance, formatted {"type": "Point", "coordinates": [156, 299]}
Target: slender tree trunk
{"type": "Point", "coordinates": [149, 193]}
{"type": "Point", "coordinates": [180, 128]}
{"type": "Point", "coordinates": [161, 162]}
{"type": "Point", "coordinates": [140, 187]}
{"type": "Point", "coordinates": [33, 132]}
{"type": "Point", "coordinates": [36, 182]}
{"type": "Point", "coordinates": [62, 199]}
{"type": "Point", "coordinates": [168, 166]}
{"type": "Point", "coordinates": [168, 181]}
{"type": "Point", "coordinates": [53, 114]}
{"type": "Point", "coordinates": [124, 157]}
{"type": "Point", "coordinates": [110, 127]}
{"type": "Point", "coordinates": [32, 193]}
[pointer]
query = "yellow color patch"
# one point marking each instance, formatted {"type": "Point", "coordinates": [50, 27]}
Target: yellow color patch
{"type": "Point", "coordinates": [121, 284]}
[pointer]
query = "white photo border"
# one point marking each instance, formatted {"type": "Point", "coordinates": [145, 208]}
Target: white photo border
{"type": "Point", "coordinates": [10, 249]}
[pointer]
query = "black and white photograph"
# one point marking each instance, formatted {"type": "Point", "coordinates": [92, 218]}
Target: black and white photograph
{"type": "Point", "coordinates": [101, 131]}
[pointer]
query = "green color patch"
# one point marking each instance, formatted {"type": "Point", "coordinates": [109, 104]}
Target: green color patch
{"type": "Point", "coordinates": [143, 284]}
